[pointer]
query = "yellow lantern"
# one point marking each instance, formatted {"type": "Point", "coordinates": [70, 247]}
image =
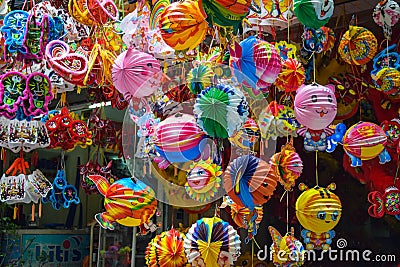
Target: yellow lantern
{"type": "Point", "coordinates": [318, 211]}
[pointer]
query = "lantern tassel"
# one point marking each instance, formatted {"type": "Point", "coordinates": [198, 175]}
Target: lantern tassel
{"type": "Point", "coordinates": [40, 209]}
{"type": "Point", "coordinates": [33, 212]}
{"type": "Point", "coordinates": [15, 212]}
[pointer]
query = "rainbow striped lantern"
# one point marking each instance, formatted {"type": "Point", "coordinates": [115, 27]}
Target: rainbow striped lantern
{"type": "Point", "coordinates": [127, 201]}
{"type": "Point", "coordinates": [318, 211]}
{"type": "Point", "coordinates": [178, 138]}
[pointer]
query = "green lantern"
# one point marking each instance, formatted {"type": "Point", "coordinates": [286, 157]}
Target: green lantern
{"type": "Point", "coordinates": [313, 13]}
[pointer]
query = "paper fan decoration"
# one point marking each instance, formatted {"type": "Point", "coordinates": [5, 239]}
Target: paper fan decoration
{"type": "Point", "coordinates": [212, 242]}
{"type": "Point", "coordinates": [291, 76]}
{"type": "Point", "coordinates": [287, 165]}
{"type": "Point", "coordinates": [357, 46]}
{"type": "Point", "coordinates": [183, 25]}
{"type": "Point", "coordinates": [249, 181]}
{"type": "Point", "coordinates": [166, 249]}
{"type": "Point", "coordinates": [286, 250]}
{"type": "Point", "coordinates": [386, 14]}
{"type": "Point", "coordinates": [203, 180]}
{"type": "Point", "coordinates": [199, 78]}
{"type": "Point", "coordinates": [277, 121]}
{"type": "Point", "coordinates": [220, 110]}
{"type": "Point", "coordinates": [136, 74]}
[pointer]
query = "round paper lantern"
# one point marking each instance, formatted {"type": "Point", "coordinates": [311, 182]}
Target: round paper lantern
{"type": "Point", "coordinates": [386, 14]}
{"type": "Point", "coordinates": [256, 62]}
{"type": "Point", "coordinates": [357, 46]}
{"type": "Point", "coordinates": [178, 138]}
{"type": "Point", "coordinates": [318, 209]}
{"type": "Point", "coordinates": [220, 110]}
{"type": "Point", "coordinates": [212, 242]}
{"type": "Point", "coordinates": [203, 180]}
{"type": "Point", "coordinates": [183, 25]}
{"type": "Point", "coordinates": [291, 76]}
{"type": "Point", "coordinates": [362, 141]}
{"type": "Point", "coordinates": [313, 13]}
{"type": "Point", "coordinates": [387, 80]}
{"type": "Point", "coordinates": [248, 181]}
{"type": "Point", "coordinates": [166, 249]}
{"type": "Point", "coordinates": [127, 201]}
{"type": "Point", "coordinates": [136, 74]}
{"type": "Point", "coordinates": [315, 106]}
{"type": "Point", "coordinates": [199, 78]}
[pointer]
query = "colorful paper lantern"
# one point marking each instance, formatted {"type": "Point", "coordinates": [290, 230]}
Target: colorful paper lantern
{"type": "Point", "coordinates": [286, 250]}
{"type": "Point", "coordinates": [277, 121]}
{"type": "Point", "coordinates": [203, 180]}
{"type": "Point", "coordinates": [313, 13]}
{"type": "Point", "coordinates": [247, 136]}
{"type": "Point", "coordinates": [127, 201]}
{"type": "Point", "coordinates": [315, 105]}
{"type": "Point", "coordinates": [166, 249]}
{"type": "Point", "coordinates": [225, 13]}
{"type": "Point", "coordinates": [357, 46]}
{"type": "Point", "coordinates": [183, 25]}
{"type": "Point", "coordinates": [318, 211]}
{"type": "Point", "coordinates": [248, 181]}
{"type": "Point", "coordinates": [199, 78]}
{"type": "Point", "coordinates": [291, 76]}
{"type": "Point", "coordinates": [136, 74]}
{"type": "Point", "coordinates": [362, 141]}
{"type": "Point", "coordinates": [220, 110]}
{"type": "Point", "coordinates": [255, 62]}
{"type": "Point", "coordinates": [212, 242]}
{"type": "Point", "coordinates": [386, 14]}
{"type": "Point", "coordinates": [178, 138]}
{"type": "Point", "coordinates": [387, 202]}
{"type": "Point", "coordinates": [287, 165]}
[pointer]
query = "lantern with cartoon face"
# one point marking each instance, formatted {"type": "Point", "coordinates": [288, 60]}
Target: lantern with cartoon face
{"type": "Point", "coordinates": [315, 107]}
{"type": "Point", "coordinates": [318, 211]}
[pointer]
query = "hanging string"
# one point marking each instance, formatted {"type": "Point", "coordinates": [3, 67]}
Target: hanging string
{"type": "Point", "coordinates": [316, 167]}
{"type": "Point", "coordinates": [287, 212]}
{"type": "Point", "coordinates": [314, 69]}
{"type": "Point", "coordinates": [252, 253]}
{"type": "Point", "coordinates": [397, 170]}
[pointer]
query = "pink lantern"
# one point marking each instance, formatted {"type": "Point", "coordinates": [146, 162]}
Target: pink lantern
{"type": "Point", "coordinates": [136, 73]}
{"type": "Point", "coordinates": [315, 105]}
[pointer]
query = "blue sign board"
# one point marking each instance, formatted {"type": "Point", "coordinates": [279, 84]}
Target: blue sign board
{"type": "Point", "coordinates": [54, 250]}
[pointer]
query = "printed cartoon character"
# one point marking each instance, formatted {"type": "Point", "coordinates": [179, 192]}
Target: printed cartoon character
{"type": "Point", "coordinates": [315, 107]}
{"type": "Point", "coordinates": [362, 141]}
{"type": "Point", "coordinates": [387, 202]}
{"type": "Point", "coordinates": [318, 211]}
{"type": "Point", "coordinates": [127, 201]}
{"type": "Point", "coordinates": [203, 180]}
